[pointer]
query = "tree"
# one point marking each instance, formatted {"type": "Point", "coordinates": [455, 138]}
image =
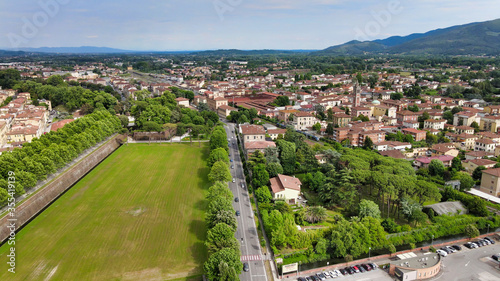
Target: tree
{"type": "Point", "coordinates": [329, 129]}
{"type": "Point", "coordinates": [396, 96]}
{"type": "Point", "coordinates": [315, 214]}
{"type": "Point", "coordinates": [219, 172]}
{"type": "Point", "coordinates": [221, 237]}
{"type": "Point", "coordinates": [218, 139]}
{"type": "Point", "coordinates": [436, 168]}
{"type": "Point", "coordinates": [287, 156]}
{"type": "Point", "coordinates": [456, 164]}
{"type": "Point", "coordinates": [151, 126]}
{"type": "Point", "coordinates": [260, 176]}
{"type": "Point", "coordinates": [263, 194]}
{"type": "Point", "coordinates": [471, 231]}
{"type": "Point", "coordinates": [368, 144]}
{"type": "Point", "coordinates": [224, 265]}
{"type": "Point", "coordinates": [274, 169]}
{"type": "Point", "coordinates": [282, 101]}
{"type": "Point", "coordinates": [478, 173]}
{"type": "Point", "coordinates": [218, 154]}
{"type": "Point", "coordinates": [466, 181]}
{"type": "Point", "coordinates": [317, 127]}
{"type": "Point", "coordinates": [368, 208]}
{"type": "Point", "coordinates": [475, 126]}
{"type": "Point", "coordinates": [55, 80]}
{"type": "Point", "coordinates": [123, 120]}
{"type": "Point", "coordinates": [219, 190]}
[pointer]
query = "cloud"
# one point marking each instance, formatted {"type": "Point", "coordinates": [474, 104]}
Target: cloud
{"type": "Point", "coordinates": [93, 36]}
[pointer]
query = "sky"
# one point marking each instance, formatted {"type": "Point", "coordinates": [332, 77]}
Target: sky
{"type": "Point", "coordinates": [174, 25]}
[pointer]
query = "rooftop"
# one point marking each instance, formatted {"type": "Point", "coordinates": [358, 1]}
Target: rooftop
{"type": "Point", "coordinates": [418, 262]}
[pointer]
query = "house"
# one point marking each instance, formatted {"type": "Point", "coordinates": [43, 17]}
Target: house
{"type": "Point", "coordinates": [490, 182]}
{"type": "Point", "coordinates": [492, 109]}
{"type": "Point", "coordinates": [490, 123]}
{"type": "Point", "coordinates": [357, 111]}
{"type": "Point", "coordinates": [274, 133]}
{"type": "Point", "coordinates": [303, 120]}
{"type": "Point", "coordinates": [321, 158]}
{"type": "Point", "coordinates": [392, 145]}
{"type": "Point", "coordinates": [486, 145]}
{"type": "Point", "coordinates": [215, 103]}
{"type": "Point", "coordinates": [3, 133]}
{"type": "Point", "coordinates": [465, 118]}
{"type": "Point", "coordinates": [252, 133]}
{"type": "Point", "coordinates": [284, 115]}
{"type": "Point", "coordinates": [182, 101]}
{"type": "Point", "coordinates": [434, 124]}
{"type": "Point", "coordinates": [445, 149]}
{"type": "Point", "coordinates": [251, 147]}
{"type": "Point", "coordinates": [418, 135]}
{"type": "Point", "coordinates": [396, 154]}
{"type": "Point", "coordinates": [464, 130]}
{"type": "Point", "coordinates": [423, 162]}
{"type": "Point", "coordinates": [58, 125]}
{"type": "Point", "coordinates": [285, 188]}
{"type": "Point", "coordinates": [406, 116]}
{"type": "Point", "coordinates": [477, 155]}
{"type": "Point", "coordinates": [341, 120]}
{"type": "Point", "coordinates": [471, 165]}
{"type": "Point", "coordinates": [224, 110]}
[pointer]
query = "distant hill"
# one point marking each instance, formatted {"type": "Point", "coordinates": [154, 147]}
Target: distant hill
{"type": "Point", "coordinates": [234, 52]}
{"type": "Point", "coordinates": [76, 50]}
{"type": "Point", "coordinates": [4, 53]}
{"type": "Point", "coordinates": [481, 38]}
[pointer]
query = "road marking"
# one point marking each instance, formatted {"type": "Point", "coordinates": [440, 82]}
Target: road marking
{"type": "Point", "coordinates": [467, 263]}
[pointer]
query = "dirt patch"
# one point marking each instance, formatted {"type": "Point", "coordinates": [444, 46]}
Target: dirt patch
{"type": "Point", "coordinates": [150, 274]}
{"type": "Point", "coordinates": [51, 273]}
{"type": "Point", "coordinates": [136, 212]}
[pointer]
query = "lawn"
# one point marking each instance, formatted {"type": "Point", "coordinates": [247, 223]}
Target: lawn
{"type": "Point", "coordinates": [137, 216]}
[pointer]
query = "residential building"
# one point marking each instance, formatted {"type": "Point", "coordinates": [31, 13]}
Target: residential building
{"type": "Point", "coordinates": [486, 145]}
{"type": "Point", "coordinates": [434, 124]}
{"type": "Point", "coordinates": [423, 162]}
{"type": "Point", "coordinates": [285, 188]}
{"type": "Point", "coordinates": [252, 133]}
{"type": "Point", "coordinates": [406, 116]}
{"type": "Point", "coordinates": [392, 145]}
{"type": "Point", "coordinates": [182, 101]}
{"type": "Point", "coordinates": [464, 130]}
{"type": "Point", "coordinates": [274, 133]}
{"type": "Point", "coordinates": [303, 120]}
{"type": "Point", "coordinates": [492, 109]}
{"type": "Point", "coordinates": [357, 111]}
{"type": "Point", "coordinates": [445, 149]}
{"type": "Point", "coordinates": [490, 123]}
{"type": "Point", "coordinates": [465, 118]}
{"type": "Point", "coordinates": [224, 110]}
{"type": "Point", "coordinates": [341, 120]}
{"type": "Point", "coordinates": [490, 182]}
{"type": "Point", "coordinates": [3, 133]}
{"type": "Point", "coordinates": [252, 146]}
{"type": "Point", "coordinates": [471, 165]}
{"type": "Point", "coordinates": [215, 103]}
{"type": "Point", "coordinates": [418, 135]}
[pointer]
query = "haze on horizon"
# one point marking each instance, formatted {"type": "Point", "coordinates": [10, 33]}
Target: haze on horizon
{"type": "Point", "coordinates": [226, 24]}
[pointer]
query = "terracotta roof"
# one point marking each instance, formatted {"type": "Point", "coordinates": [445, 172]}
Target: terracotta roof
{"type": "Point", "coordinates": [427, 160]}
{"type": "Point", "coordinates": [259, 144]}
{"type": "Point", "coordinates": [481, 162]}
{"type": "Point", "coordinates": [494, 172]}
{"type": "Point", "coordinates": [282, 182]}
{"type": "Point", "coordinates": [393, 154]}
{"type": "Point", "coordinates": [485, 141]}
{"type": "Point", "coordinates": [58, 125]}
{"type": "Point", "coordinates": [252, 130]}
{"type": "Point", "coordinates": [276, 131]}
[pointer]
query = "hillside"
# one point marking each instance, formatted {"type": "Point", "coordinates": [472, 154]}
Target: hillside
{"type": "Point", "coordinates": [470, 39]}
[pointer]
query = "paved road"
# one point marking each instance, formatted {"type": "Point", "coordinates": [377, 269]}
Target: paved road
{"type": "Point", "coordinates": [250, 247]}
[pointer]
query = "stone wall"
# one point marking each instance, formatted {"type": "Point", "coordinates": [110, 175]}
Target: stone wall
{"type": "Point", "coordinates": [30, 207]}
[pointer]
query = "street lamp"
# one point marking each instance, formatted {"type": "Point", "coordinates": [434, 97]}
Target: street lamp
{"type": "Point", "coordinates": [432, 241]}
{"type": "Point", "coordinates": [488, 231]}
{"type": "Point", "coordinates": [300, 262]}
{"type": "Point", "coordinates": [369, 252]}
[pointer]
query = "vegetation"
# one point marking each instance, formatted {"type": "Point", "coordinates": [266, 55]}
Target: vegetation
{"type": "Point", "coordinates": [124, 209]}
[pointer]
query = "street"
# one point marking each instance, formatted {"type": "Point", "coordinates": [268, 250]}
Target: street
{"type": "Point", "coordinates": [250, 247]}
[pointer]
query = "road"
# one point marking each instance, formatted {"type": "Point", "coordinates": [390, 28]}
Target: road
{"type": "Point", "coordinates": [250, 247]}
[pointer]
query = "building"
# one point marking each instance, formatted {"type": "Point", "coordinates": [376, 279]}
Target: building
{"type": "Point", "coordinates": [341, 120]}
{"type": "Point", "coordinates": [182, 101]}
{"type": "Point", "coordinates": [357, 111]}
{"type": "Point", "coordinates": [471, 165]}
{"type": "Point", "coordinates": [274, 133]}
{"type": "Point", "coordinates": [412, 267]}
{"type": "Point", "coordinates": [464, 130]}
{"type": "Point", "coordinates": [418, 135]}
{"type": "Point", "coordinates": [252, 133]}
{"type": "Point", "coordinates": [406, 116]}
{"type": "Point", "coordinates": [486, 145]}
{"type": "Point", "coordinates": [251, 147]}
{"type": "Point", "coordinates": [490, 182]}
{"type": "Point", "coordinates": [392, 145]}
{"type": "Point", "coordinates": [285, 188]}
{"type": "Point", "coordinates": [434, 124]}
{"type": "Point", "coordinates": [465, 118]}
{"type": "Point", "coordinates": [215, 103]}
{"type": "Point", "coordinates": [224, 110]}
{"type": "Point", "coordinates": [490, 123]}
{"type": "Point", "coordinates": [303, 120]}
{"type": "Point", "coordinates": [423, 162]}
{"type": "Point", "coordinates": [3, 133]}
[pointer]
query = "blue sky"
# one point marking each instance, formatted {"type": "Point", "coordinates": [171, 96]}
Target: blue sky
{"type": "Point", "coordinates": [226, 24]}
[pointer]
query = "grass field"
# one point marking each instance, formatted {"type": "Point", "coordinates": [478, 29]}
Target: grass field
{"type": "Point", "coordinates": [139, 215]}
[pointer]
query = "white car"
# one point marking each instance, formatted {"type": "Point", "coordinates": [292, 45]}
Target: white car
{"type": "Point", "coordinates": [441, 253]}
{"type": "Point", "coordinates": [234, 180]}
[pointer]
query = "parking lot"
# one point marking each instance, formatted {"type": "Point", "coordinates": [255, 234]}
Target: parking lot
{"type": "Point", "coordinates": [467, 264]}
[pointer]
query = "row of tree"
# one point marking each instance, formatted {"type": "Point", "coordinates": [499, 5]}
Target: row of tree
{"type": "Point", "coordinates": [223, 263]}
{"type": "Point", "coordinates": [52, 151]}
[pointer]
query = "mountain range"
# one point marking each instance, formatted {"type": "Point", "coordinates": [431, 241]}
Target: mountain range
{"type": "Point", "coordinates": [482, 38]}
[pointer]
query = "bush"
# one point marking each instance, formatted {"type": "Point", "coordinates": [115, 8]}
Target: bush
{"type": "Point", "coordinates": [432, 249]}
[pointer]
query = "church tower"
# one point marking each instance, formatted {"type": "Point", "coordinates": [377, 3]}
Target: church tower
{"type": "Point", "coordinates": [357, 94]}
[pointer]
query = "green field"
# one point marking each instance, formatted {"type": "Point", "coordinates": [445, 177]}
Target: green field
{"type": "Point", "coordinates": [139, 215]}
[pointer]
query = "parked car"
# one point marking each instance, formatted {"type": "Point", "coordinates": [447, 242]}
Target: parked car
{"type": "Point", "coordinates": [374, 265]}
{"type": "Point", "coordinates": [236, 199]}
{"type": "Point", "coordinates": [442, 253]}
{"type": "Point", "coordinates": [246, 268]}
{"type": "Point", "coordinates": [490, 240]}
{"type": "Point", "coordinates": [231, 160]}
{"type": "Point", "coordinates": [314, 278]}
{"type": "Point", "coordinates": [453, 250]}
{"type": "Point", "coordinates": [308, 278]}
{"type": "Point", "coordinates": [366, 267]}
{"type": "Point", "coordinates": [321, 276]}
{"type": "Point", "coordinates": [338, 272]}
{"type": "Point", "coordinates": [333, 274]}
{"type": "Point", "coordinates": [327, 274]}
{"type": "Point", "coordinates": [456, 247]}
{"type": "Point", "coordinates": [301, 279]}
{"type": "Point", "coordinates": [343, 271]}
{"type": "Point", "coordinates": [237, 213]}
{"type": "Point", "coordinates": [232, 167]}
{"type": "Point", "coordinates": [348, 270]}
{"type": "Point", "coordinates": [355, 268]}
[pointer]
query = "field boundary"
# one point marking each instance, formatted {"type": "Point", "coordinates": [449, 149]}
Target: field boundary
{"type": "Point", "coordinates": [31, 206]}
